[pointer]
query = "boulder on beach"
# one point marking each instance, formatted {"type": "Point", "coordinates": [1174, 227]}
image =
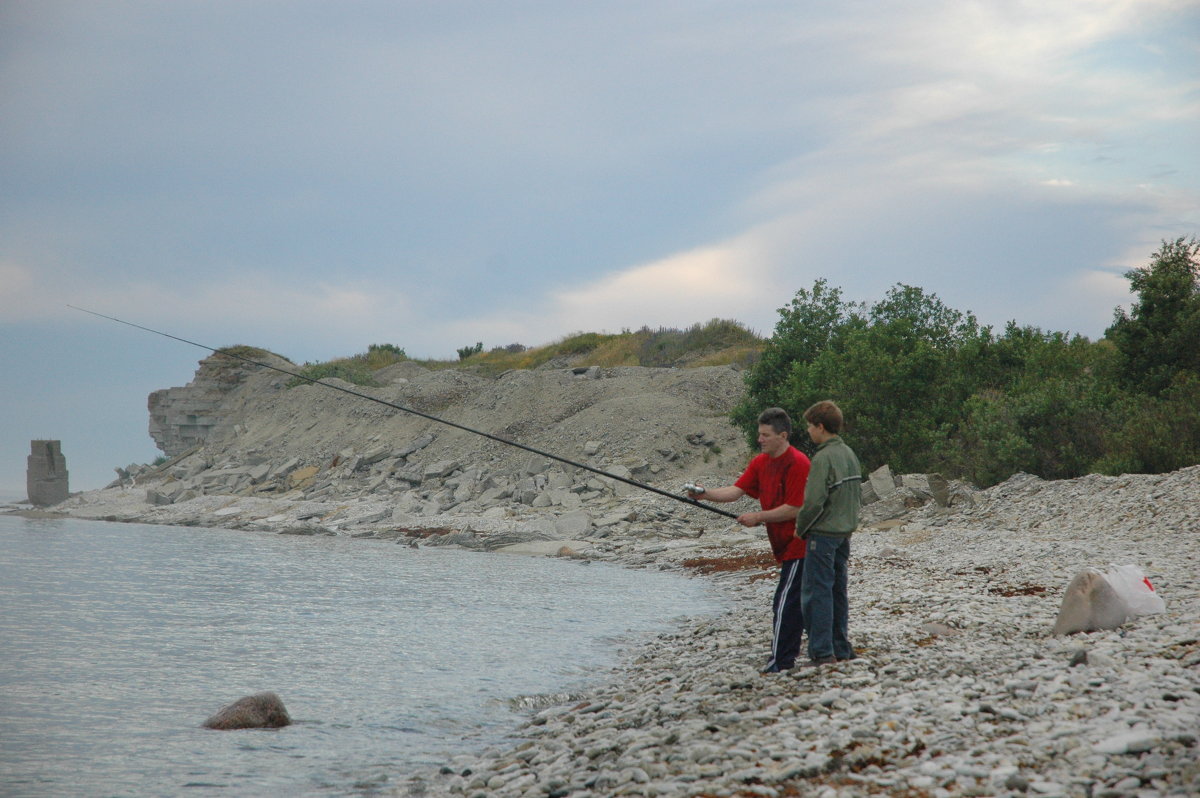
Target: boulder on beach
{"type": "Point", "coordinates": [1090, 603]}
{"type": "Point", "coordinates": [259, 711]}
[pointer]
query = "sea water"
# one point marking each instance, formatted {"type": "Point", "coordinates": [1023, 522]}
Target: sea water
{"type": "Point", "coordinates": [118, 640]}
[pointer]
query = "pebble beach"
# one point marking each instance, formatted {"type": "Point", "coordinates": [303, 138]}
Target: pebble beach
{"type": "Point", "coordinates": [959, 690]}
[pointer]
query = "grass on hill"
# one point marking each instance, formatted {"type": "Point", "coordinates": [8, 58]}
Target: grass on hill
{"type": "Point", "coordinates": [358, 369]}
{"type": "Point", "coordinates": [715, 343]}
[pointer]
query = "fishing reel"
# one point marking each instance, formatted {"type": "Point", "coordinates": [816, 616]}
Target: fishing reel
{"type": "Point", "coordinates": [692, 488]}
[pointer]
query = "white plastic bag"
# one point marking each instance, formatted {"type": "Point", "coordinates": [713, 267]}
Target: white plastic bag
{"type": "Point", "coordinates": [1134, 589]}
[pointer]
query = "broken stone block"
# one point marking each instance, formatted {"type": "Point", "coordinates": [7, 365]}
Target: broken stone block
{"type": "Point", "coordinates": [939, 488]}
{"type": "Point", "coordinates": [415, 446]}
{"type": "Point", "coordinates": [287, 467]}
{"type": "Point", "coordinates": [562, 497]}
{"type": "Point", "coordinates": [491, 496]}
{"type": "Point", "coordinates": [573, 525]}
{"type": "Point", "coordinates": [412, 474]}
{"type": "Point", "coordinates": [557, 479]}
{"type": "Point", "coordinates": [619, 488]}
{"type": "Point", "coordinates": [157, 497]}
{"type": "Point", "coordinates": [440, 469]}
{"type": "Point", "coordinates": [883, 482]}
{"type": "Point", "coordinates": [375, 455]}
{"type": "Point", "coordinates": [535, 465]}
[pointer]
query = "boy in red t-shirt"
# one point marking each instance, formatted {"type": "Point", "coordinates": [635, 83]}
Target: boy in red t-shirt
{"type": "Point", "coordinates": [776, 478]}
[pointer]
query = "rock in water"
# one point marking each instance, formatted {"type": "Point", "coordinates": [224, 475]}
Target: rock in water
{"type": "Point", "coordinates": [258, 711]}
{"type": "Point", "coordinates": [1090, 603]}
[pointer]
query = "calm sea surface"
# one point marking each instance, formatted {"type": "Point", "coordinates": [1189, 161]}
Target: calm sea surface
{"type": "Point", "coordinates": [118, 640]}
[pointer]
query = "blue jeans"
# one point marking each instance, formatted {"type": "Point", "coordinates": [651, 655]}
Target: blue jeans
{"type": "Point", "coordinates": [825, 596]}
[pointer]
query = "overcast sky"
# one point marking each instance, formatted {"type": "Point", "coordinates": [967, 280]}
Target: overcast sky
{"type": "Point", "coordinates": [314, 177]}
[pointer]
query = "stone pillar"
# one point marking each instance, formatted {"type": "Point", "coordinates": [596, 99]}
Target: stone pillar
{"type": "Point", "coordinates": [46, 478]}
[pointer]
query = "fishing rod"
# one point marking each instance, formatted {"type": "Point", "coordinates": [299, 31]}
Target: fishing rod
{"type": "Point", "coordinates": [686, 500]}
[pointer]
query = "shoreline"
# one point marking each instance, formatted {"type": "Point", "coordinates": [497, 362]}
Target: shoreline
{"type": "Point", "coordinates": [959, 689]}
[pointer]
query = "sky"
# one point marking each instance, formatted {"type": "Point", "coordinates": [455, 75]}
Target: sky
{"type": "Point", "coordinates": [314, 177]}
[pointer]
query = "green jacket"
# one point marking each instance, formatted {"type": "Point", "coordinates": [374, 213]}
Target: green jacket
{"type": "Point", "coordinates": [833, 494]}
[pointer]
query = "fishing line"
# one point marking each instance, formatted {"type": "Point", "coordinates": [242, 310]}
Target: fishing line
{"type": "Point", "coordinates": [497, 438]}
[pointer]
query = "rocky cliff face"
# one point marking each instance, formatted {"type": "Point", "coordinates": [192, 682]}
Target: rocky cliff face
{"type": "Point", "coordinates": [244, 433]}
{"type": "Point", "coordinates": [236, 430]}
{"type": "Point", "coordinates": [181, 418]}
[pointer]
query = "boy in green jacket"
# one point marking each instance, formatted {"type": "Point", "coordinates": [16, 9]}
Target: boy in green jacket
{"type": "Point", "coordinates": [829, 515]}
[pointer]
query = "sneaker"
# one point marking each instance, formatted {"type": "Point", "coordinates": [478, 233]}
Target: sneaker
{"type": "Point", "coordinates": [819, 661]}
{"type": "Point", "coordinates": [776, 669]}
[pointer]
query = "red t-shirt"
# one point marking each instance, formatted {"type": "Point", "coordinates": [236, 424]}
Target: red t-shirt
{"type": "Point", "coordinates": [776, 481]}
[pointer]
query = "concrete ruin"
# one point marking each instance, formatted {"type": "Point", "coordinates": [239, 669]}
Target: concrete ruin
{"type": "Point", "coordinates": [46, 475]}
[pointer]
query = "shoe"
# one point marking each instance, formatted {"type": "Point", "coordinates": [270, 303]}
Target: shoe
{"type": "Point", "coordinates": [853, 655]}
{"type": "Point", "coordinates": [777, 669]}
{"type": "Point", "coordinates": [819, 661]}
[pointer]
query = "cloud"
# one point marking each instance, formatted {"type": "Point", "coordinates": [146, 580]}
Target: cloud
{"type": "Point", "coordinates": [1107, 285]}
{"type": "Point", "coordinates": [16, 293]}
{"type": "Point", "coordinates": [698, 283]}
{"type": "Point", "coordinates": [723, 280]}
{"type": "Point", "coordinates": [1087, 297]}
{"type": "Point", "coordinates": [445, 142]}
{"type": "Point", "coordinates": [252, 308]}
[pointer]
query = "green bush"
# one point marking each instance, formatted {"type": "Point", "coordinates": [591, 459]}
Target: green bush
{"type": "Point", "coordinates": [466, 351]}
{"type": "Point", "coordinates": [1154, 435]}
{"type": "Point", "coordinates": [386, 350]}
{"type": "Point", "coordinates": [813, 322]}
{"type": "Point", "coordinates": [1160, 336]}
{"type": "Point", "coordinates": [1045, 403]}
{"type": "Point", "coordinates": [578, 344]}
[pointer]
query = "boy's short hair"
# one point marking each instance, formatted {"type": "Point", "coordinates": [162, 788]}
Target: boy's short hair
{"type": "Point", "coordinates": [825, 414]}
{"type": "Point", "coordinates": [777, 419]}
